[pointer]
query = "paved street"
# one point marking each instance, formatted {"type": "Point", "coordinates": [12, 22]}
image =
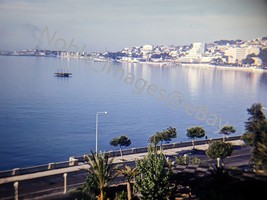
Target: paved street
{"type": "Point", "coordinates": [48, 182]}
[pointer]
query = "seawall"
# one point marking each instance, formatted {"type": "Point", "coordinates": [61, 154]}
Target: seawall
{"type": "Point", "coordinates": [75, 160]}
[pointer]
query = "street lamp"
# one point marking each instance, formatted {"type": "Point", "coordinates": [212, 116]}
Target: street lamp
{"type": "Point", "coordinates": [96, 129]}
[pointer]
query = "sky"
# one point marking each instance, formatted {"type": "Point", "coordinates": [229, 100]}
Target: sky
{"type": "Point", "coordinates": [111, 25]}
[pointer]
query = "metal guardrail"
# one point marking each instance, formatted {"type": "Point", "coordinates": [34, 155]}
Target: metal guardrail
{"type": "Point", "coordinates": [73, 161]}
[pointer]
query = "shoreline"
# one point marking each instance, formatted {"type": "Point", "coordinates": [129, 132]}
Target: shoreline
{"type": "Point", "coordinates": [130, 152]}
{"type": "Point", "coordinates": [224, 67]}
{"type": "Point", "coordinates": [204, 65]}
{"type": "Point", "coordinates": [22, 174]}
{"type": "Point", "coordinates": [161, 64]}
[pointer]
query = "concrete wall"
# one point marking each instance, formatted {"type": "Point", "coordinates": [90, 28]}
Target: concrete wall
{"type": "Point", "coordinates": [75, 159]}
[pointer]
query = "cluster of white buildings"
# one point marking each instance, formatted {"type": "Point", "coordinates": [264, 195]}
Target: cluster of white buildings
{"type": "Point", "coordinates": [220, 52]}
{"type": "Point", "coordinates": [223, 52]}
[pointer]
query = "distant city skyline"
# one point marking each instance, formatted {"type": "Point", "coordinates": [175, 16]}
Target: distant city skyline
{"type": "Point", "coordinates": [111, 25]}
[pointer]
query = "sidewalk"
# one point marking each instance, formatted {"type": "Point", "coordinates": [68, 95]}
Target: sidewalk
{"type": "Point", "coordinates": [81, 166]}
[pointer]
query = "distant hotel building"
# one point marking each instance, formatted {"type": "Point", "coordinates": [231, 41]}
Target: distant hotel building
{"type": "Point", "coordinates": [236, 55]}
{"type": "Point", "coordinates": [195, 53]}
{"type": "Point", "coordinates": [146, 51]}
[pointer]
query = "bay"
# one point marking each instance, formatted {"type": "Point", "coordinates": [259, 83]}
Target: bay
{"type": "Point", "coordinates": [45, 119]}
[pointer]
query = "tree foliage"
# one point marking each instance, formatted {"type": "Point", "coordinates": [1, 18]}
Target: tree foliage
{"type": "Point", "coordinates": [195, 132]}
{"type": "Point", "coordinates": [256, 125]}
{"type": "Point", "coordinates": [227, 130]}
{"type": "Point", "coordinates": [263, 56]}
{"type": "Point", "coordinates": [165, 136]}
{"type": "Point", "coordinates": [120, 141]}
{"type": "Point", "coordinates": [153, 179]}
{"type": "Point", "coordinates": [219, 149]}
{"type": "Point", "coordinates": [247, 138]}
{"type": "Point", "coordinates": [248, 61]}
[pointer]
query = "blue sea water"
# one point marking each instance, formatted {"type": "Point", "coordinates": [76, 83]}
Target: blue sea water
{"type": "Point", "coordinates": [45, 119]}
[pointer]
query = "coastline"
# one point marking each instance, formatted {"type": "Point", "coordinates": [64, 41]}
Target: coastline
{"type": "Point", "coordinates": [202, 65]}
{"type": "Point", "coordinates": [132, 154]}
{"type": "Point", "coordinates": [249, 69]}
{"type": "Point", "coordinates": [161, 64]}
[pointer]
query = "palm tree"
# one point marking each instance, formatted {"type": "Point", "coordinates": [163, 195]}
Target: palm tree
{"type": "Point", "coordinates": [128, 174]}
{"type": "Point", "coordinates": [100, 172]}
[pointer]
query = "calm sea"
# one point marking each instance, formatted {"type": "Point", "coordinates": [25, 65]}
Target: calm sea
{"type": "Point", "coordinates": [45, 119]}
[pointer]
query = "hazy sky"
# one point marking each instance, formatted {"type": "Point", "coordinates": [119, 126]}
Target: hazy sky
{"type": "Point", "coordinates": [111, 25]}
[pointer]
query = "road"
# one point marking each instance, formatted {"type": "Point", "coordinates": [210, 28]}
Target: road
{"type": "Point", "coordinates": [36, 185]}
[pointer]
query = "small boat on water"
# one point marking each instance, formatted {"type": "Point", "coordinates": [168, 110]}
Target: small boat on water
{"type": "Point", "coordinates": [63, 74]}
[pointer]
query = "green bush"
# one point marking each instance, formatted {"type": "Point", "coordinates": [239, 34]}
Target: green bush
{"type": "Point", "coordinates": [219, 149]}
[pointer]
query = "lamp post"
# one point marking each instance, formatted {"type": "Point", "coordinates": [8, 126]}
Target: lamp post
{"type": "Point", "coordinates": [96, 129]}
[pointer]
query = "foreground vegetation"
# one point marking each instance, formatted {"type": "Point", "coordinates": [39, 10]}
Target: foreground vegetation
{"type": "Point", "coordinates": [154, 177]}
{"type": "Point", "coordinates": [256, 136]}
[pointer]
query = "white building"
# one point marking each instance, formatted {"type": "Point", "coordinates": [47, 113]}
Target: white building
{"type": "Point", "coordinates": [146, 51]}
{"type": "Point", "coordinates": [195, 53]}
{"type": "Point", "coordinates": [236, 55]}
{"type": "Point", "coordinates": [207, 59]}
{"type": "Point", "coordinates": [147, 48]}
{"type": "Point", "coordinates": [198, 48]}
{"type": "Point", "coordinates": [257, 61]}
